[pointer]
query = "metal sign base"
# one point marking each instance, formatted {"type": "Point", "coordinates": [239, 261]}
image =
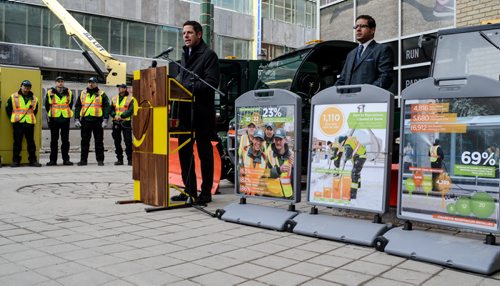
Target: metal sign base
{"type": "Point", "coordinates": [344, 229]}
{"type": "Point", "coordinates": [452, 251]}
{"type": "Point", "coordinates": [256, 215]}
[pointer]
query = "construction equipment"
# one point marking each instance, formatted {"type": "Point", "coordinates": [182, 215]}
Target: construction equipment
{"type": "Point", "coordinates": [117, 70]}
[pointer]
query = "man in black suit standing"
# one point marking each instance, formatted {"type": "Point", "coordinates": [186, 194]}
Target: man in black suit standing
{"type": "Point", "coordinates": [370, 63]}
{"type": "Point", "coordinates": [203, 61]}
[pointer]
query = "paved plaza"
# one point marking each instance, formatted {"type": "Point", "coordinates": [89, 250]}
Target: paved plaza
{"type": "Point", "coordinates": [61, 226]}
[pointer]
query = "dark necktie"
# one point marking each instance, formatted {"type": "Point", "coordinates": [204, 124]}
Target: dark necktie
{"type": "Point", "coordinates": [358, 55]}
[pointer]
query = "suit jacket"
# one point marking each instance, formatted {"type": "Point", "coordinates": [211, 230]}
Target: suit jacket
{"type": "Point", "coordinates": [205, 63]}
{"type": "Point", "coordinates": [375, 67]}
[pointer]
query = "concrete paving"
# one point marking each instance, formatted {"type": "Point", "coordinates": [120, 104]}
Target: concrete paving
{"type": "Point", "coordinates": [61, 226]}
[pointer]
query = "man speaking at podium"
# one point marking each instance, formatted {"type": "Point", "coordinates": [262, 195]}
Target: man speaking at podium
{"type": "Point", "coordinates": [201, 60]}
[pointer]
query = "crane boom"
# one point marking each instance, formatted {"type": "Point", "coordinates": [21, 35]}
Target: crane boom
{"type": "Point", "coordinates": [117, 71]}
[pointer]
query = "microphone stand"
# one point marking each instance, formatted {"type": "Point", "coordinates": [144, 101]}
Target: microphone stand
{"type": "Point", "coordinates": [194, 78]}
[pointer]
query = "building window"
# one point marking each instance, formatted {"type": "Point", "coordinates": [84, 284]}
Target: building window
{"type": "Point", "coordinates": [231, 47]}
{"type": "Point", "coordinates": [298, 12]}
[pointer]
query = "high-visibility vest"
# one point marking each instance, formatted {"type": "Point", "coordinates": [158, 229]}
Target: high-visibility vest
{"type": "Point", "coordinates": [91, 104]}
{"type": "Point", "coordinates": [340, 149]}
{"type": "Point", "coordinates": [434, 153]}
{"type": "Point", "coordinates": [252, 183]}
{"type": "Point", "coordinates": [243, 146]}
{"type": "Point", "coordinates": [357, 147]}
{"type": "Point", "coordinates": [23, 112]}
{"type": "Point", "coordinates": [121, 107]}
{"type": "Point", "coordinates": [281, 186]}
{"type": "Point", "coordinates": [59, 106]}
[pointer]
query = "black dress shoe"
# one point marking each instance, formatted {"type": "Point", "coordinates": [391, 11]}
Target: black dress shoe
{"type": "Point", "coordinates": [15, 164]}
{"type": "Point", "coordinates": [129, 163]}
{"type": "Point", "coordinates": [51, 163]}
{"type": "Point", "coordinates": [179, 198]}
{"type": "Point", "coordinates": [203, 200]}
{"type": "Point", "coordinates": [100, 163]}
{"type": "Point", "coordinates": [35, 164]}
{"type": "Point", "coordinates": [82, 163]}
{"type": "Point", "coordinates": [119, 163]}
{"type": "Point", "coordinates": [68, 163]}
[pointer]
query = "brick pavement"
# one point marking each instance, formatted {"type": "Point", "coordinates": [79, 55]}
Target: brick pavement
{"type": "Point", "coordinates": [61, 226]}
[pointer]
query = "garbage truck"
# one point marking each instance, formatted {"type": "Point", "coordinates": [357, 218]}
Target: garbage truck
{"type": "Point", "coordinates": [305, 71]}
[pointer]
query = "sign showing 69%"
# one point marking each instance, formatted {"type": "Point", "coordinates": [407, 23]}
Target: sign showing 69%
{"type": "Point", "coordinates": [478, 158]}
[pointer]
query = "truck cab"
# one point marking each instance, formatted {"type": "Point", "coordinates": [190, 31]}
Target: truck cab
{"type": "Point", "coordinates": [466, 51]}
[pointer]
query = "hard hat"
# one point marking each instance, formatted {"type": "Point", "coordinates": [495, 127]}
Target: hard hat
{"type": "Point", "coordinates": [280, 133]}
{"type": "Point", "coordinates": [269, 125]}
{"type": "Point", "coordinates": [259, 134]}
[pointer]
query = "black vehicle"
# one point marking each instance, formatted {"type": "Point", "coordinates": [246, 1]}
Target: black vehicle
{"type": "Point", "coordinates": [305, 71]}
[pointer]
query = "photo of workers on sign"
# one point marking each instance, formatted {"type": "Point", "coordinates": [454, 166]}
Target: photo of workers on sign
{"type": "Point", "coordinates": [349, 157]}
{"type": "Point", "coordinates": [265, 151]}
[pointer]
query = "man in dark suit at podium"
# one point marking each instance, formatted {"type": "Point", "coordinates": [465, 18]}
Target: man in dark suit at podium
{"type": "Point", "coordinates": [200, 59]}
{"type": "Point", "coordinates": [370, 63]}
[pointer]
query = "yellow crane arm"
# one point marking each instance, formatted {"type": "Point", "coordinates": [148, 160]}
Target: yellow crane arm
{"type": "Point", "coordinates": [117, 71]}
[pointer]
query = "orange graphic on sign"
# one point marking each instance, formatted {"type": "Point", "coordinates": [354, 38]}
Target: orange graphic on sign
{"type": "Point", "coordinates": [439, 128]}
{"type": "Point", "coordinates": [430, 107]}
{"type": "Point", "coordinates": [331, 121]}
{"type": "Point", "coordinates": [434, 117]}
{"type": "Point", "coordinates": [418, 178]}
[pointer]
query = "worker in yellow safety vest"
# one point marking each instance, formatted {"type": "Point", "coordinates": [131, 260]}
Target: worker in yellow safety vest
{"type": "Point", "coordinates": [246, 139]}
{"type": "Point", "coordinates": [59, 104]}
{"type": "Point", "coordinates": [355, 151]}
{"type": "Point", "coordinates": [253, 167]}
{"type": "Point", "coordinates": [122, 109]}
{"type": "Point", "coordinates": [336, 153]}
{"type": "Point", "coordinates": [280, 162]}
{"type": "Point", "coordinates": [436, 156]}
{"type": "Point", "coordinates": [91, 115]}
{"type": "Point", "coordinates": [269, 134]}
{"type": "Point", "coordinates": [22, 108]}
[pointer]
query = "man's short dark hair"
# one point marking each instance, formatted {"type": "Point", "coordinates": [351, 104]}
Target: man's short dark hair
{"type": "Point", "coordinates": [196, 26]}
{"type": "Point", "coordinates": [371, 21]}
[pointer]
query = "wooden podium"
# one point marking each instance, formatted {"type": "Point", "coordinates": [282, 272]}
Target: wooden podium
{"type": "Point", "coordinates": [156, 168]}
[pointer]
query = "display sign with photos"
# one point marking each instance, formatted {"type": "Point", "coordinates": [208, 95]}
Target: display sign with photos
{"type": "Point", "coordinates": [349, 156]}
{"type": "Point", "coordinates": [450, 152]}
{"type": "Point", "coordinates": [266, 152]}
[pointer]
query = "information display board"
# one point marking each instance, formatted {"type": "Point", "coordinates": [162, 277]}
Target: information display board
{"type": "Point", "coordinates": [449, 158]}
{"type": "Point", "coordinates": [349, 149]}
{"type": "Point", "coordinates": [268, 162]}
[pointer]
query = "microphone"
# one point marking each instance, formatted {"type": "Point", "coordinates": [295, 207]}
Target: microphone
{"type": "Point", "coordinates": [164, 53]}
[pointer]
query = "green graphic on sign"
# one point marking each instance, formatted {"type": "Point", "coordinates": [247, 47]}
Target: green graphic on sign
{"type": "Point", "coordinates": [463, 206]}
{"type": "Point", "coordinates": [367, 120]}
{"type": "Point", "coordinates": [474, 171]}
{"type": "Point", "coordinates": [410, 185]}
{"type": "Point", "coordinates": [482, 205]}
{"type": "Point", "coordinates": [451, 208]}
{"type": "Point", "coordinates": [427, 184]}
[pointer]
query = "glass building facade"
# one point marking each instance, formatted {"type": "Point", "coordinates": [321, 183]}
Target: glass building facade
{"type": "Point", "coordinates": [37, 25]}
